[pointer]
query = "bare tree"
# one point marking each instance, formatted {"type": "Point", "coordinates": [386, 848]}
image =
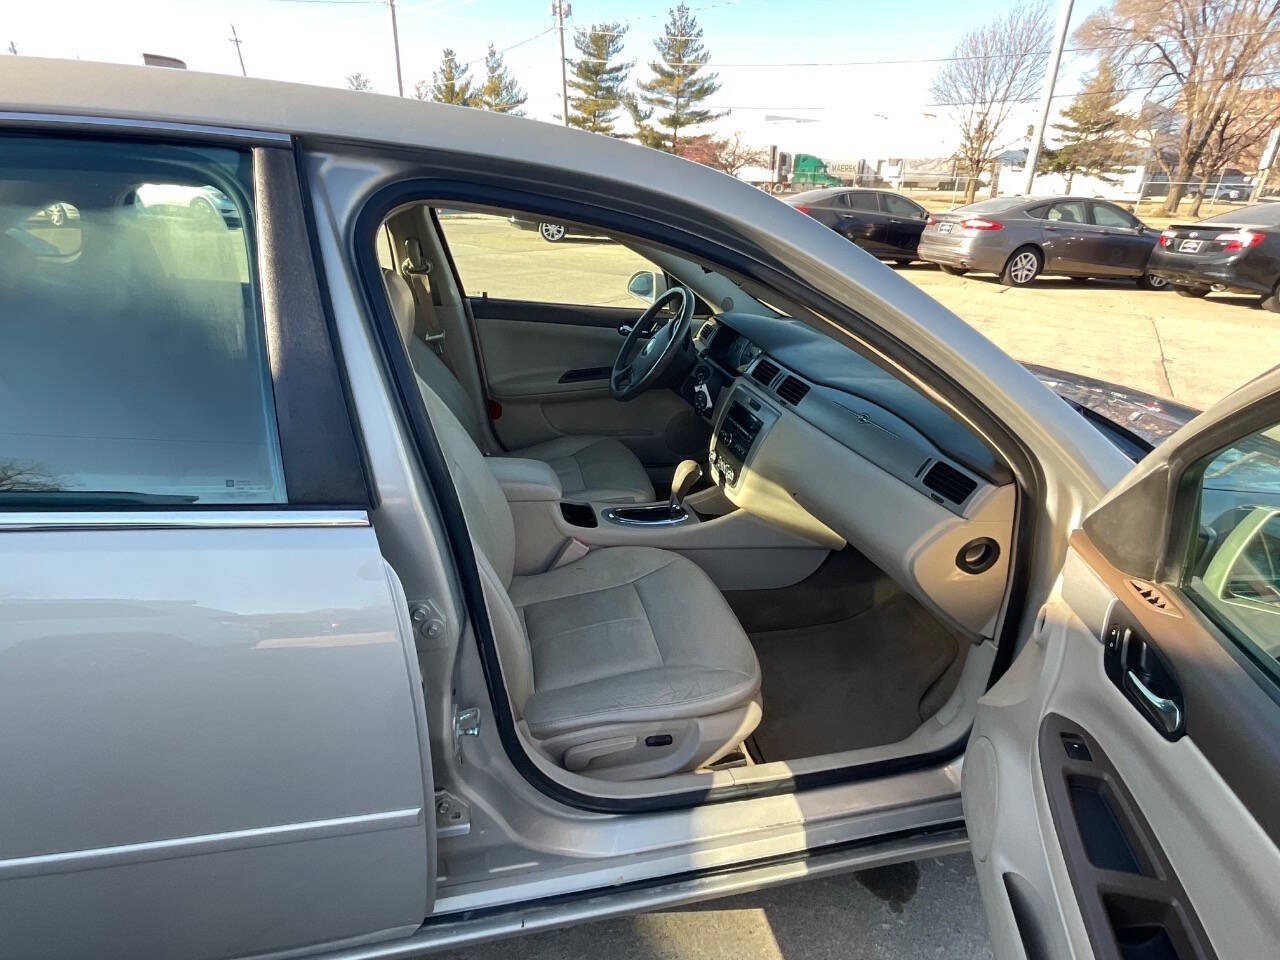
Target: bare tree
{"type": "Point", "coordinates": [1193, 57]}
{"type": "Point", "coordinates": [730, 154]}
{"type": "Point", "coordinates": [994, 68]}
{"type": "Point", "coordinates": [1247, 120]}
{"type": "Point", "coordinates": [358, 81]}
{"type": "Point", "coordinates": [26, 478]}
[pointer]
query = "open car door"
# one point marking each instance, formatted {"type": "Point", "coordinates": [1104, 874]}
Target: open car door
{"type": "Point", "coordinates": [1122, 782]}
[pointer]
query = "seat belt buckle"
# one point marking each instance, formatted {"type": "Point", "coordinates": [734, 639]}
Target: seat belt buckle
{"type": "Point", "coordinates": [573, 550]}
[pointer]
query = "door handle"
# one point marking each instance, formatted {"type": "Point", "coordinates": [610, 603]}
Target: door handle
{"type": "Point", "coordinates": [624, 330]}
{"type": "Point", "coordinates": [1161, 709]}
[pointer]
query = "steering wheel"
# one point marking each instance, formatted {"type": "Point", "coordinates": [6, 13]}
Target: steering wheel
{"type": "Point", "coordinates": [641, 363]}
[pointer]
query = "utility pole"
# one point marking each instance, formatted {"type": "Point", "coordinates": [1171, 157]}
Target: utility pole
{"type": "Point", "coordinates": [235, 38]}
{"type": "Point", "coordinates": [1046, 101]}
{"type": "Point", "coordinates": [395, 39]}
{"type": "Point", "coordinates": [560, 9]}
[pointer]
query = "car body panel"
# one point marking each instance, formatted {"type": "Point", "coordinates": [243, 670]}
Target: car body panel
{"type": "Point", "coordinates": [227, 734]}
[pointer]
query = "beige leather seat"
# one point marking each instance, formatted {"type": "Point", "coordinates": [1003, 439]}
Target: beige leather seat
{"type": "Point", "coordinates": [590, 468]}
{"type": "Point", "coordinates": [626, 663]}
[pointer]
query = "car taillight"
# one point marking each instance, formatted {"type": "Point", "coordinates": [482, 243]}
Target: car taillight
{"type": "Point", "coordinates": [1240, 239]}
{"type": "Point", "coordinates": [1166, 238]}
{"type": "Point", "coordinates": [929, 221]}
{"type": "Point", "coordinates": [802, 208]}
{"type": "Point", "coordinates": [980, 223]}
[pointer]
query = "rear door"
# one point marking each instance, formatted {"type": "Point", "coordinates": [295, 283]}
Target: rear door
{"type": "Point", "coordinates": [1121, 779]}
{"type": "Point", "coordinates": [549, 321]}
{"type": "Point", "coordinates": [866, 224]}
{"type": "Point", "coordinates": [214, 741]}
{"type": "Point", "coordinates": [1118, 243]}
{"type": "Point", "coordinates": [1066, 237]}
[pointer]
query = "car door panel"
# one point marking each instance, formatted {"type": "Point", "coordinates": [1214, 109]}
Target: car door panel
{"type": "Point", "coordinates": [1120, 779]}
{"type": "Point", "coordinates": [547, 366]}
{"type": "Point", "coordinates": [215, 742]}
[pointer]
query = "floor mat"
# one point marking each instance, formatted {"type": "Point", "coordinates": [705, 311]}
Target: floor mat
{"type": "Point", "coordinates": [859, 682]}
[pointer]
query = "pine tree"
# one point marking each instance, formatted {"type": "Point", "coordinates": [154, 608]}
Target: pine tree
{"type": "Point", "coordinates": [678, 87]}
{"type": "Point", "coordinates": [598, 81]}
{"type": "Point", "coordinates": [1092, 139]}
{"type": "Point", "coordinates": [449, 84]}
{"type": "Point", "coordinates": [500, 92]}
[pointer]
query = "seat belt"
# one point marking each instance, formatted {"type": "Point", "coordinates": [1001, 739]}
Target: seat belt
{"type": "Point", "coordinates": [416, 270]}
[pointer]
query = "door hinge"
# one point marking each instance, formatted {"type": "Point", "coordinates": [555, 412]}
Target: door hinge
{"type": "Point", "coordinates": [453, 815]}
{"type": "Point", "coordinates": [428, 622]}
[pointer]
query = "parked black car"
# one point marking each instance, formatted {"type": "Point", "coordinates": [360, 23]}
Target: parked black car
{"type": "Point", "coordinates": [1239, 250]}
{"type": "Point", "coordinates": [883, 223]}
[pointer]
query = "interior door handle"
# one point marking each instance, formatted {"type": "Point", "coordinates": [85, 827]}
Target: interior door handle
{"type": "Point", "coordinates": [1161, 709]}
{"type": "Point", "coordinates": [624, 330]}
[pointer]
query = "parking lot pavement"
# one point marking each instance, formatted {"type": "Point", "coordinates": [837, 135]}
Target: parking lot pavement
{"type": "Point", "coordinates": [904, 912]}
{"type": "Point", "coordinates": [1194, 351]}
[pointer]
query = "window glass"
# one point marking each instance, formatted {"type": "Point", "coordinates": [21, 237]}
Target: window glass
{"type": "Point", "coordinates": [1105, 215]}
{"type": "Point", "coordinates": [1260, 215]}
{"type": "Point", "coordinates": [132, 363]}
{"type": "Point", "coordinates": [522, 258]}
{"type": "Point", "coordinates": [900, 206]}
{"type": "Point", "coordinates": [1234, 570]}
{"type": "Point", "coordinates": [992, 205]}
{"type": "Point", "coordinates": [1069, 211]}
{"type": "Point", "coordinates": [862, 201]}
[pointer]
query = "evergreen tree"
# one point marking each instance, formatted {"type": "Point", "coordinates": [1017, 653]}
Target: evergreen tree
{"type": "Point", "coordinates": [1093, 140]}
{"type": "Point", "coordinates": [678, 87]}
{"type": "Point", "coordinates": [499, 92]}
{"type": "Point", "coordinates": [598, 82]}
{"type": "Point", "coordinates": [449, 84]}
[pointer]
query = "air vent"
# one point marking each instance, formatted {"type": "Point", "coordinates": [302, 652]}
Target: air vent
{"type": "Point", "coordinates": [946, 480]}
{"type": "Point", "coordinates": [792, 390]}
{"type": "Point", "coordinates": [764, 371]}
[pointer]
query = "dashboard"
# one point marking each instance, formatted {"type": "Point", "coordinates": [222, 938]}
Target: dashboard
{"type": "Point", "coordinates": [815, 438]}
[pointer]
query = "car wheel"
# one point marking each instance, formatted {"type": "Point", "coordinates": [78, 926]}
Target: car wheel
{"type": "Point", "coordinates": [1022, 267]}
{"type": "Point", "coordinates": [1272, 302]}
{"type": "Point", "coordinates": [1192, 291]}
{"type": "Point", "coordinates": [1150, 281]}
{"type": "Point", "coordinates": [953, 271]}
{"type": "Point", "coordinates": [551, 232]}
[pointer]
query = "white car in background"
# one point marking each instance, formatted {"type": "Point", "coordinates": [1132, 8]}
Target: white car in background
{"type": "Point", "coordinates": [203, 201]}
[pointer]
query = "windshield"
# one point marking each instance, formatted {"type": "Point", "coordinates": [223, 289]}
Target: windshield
{"type": "Point", "coordinates": [1259, 215]}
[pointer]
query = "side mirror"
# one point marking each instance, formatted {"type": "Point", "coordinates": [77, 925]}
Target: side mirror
{"type": "Point", "coordinates": [647, 286]}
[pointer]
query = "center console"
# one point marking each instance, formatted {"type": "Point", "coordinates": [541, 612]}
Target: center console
{"type": "Point", "coordinates": [743, 421]}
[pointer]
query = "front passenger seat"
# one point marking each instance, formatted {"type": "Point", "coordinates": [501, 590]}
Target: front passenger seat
{"type": "Point", "coordinates": [598, 469]}
{"type": "Point", "coordinates": [624, 664]}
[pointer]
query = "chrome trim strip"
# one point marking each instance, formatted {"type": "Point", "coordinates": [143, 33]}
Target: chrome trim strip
{"type": "Point", "coordinates": [94, 859]}
{"type": "Point", "coordinates": [179, 519]}
{"type": "Point", "coordinates": [200, 130]}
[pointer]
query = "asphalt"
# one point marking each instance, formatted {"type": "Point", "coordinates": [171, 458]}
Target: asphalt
{"type": "Point", "coordinates": [904, 912]}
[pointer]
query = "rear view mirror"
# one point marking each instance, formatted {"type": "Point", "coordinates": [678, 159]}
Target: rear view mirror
{"type": "Point", "coordinates": [646, 285]}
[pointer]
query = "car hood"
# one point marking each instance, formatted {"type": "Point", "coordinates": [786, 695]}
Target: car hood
{"type": "Point", "coordinates": [1149, 418]}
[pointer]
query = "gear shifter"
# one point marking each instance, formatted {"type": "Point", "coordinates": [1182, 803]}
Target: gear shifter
{"type": "Point", "coordinates": [688, 473]}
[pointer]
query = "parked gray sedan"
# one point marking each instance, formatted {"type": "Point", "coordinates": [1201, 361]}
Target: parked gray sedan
{"type": "Point", "coordinates": [1020, 238]}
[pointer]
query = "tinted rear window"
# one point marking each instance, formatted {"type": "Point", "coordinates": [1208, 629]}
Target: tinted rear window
{"type": "Point", "coordinates": [994, 205]}
{"type": "Point", "coordinates": [1260, 215]}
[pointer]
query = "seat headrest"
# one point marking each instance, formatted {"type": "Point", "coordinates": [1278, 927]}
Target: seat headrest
{"type": "Point", "coordinates": [401, 299]}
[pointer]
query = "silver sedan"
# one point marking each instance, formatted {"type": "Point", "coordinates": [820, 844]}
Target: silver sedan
{"type": "Point", "coordinates": [1018, 239]}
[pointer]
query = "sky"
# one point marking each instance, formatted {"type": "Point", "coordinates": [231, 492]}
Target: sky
{"type": "Point", "coordinates": [841, 113]}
